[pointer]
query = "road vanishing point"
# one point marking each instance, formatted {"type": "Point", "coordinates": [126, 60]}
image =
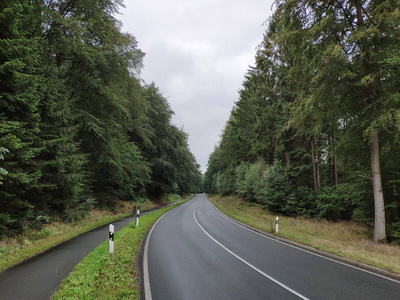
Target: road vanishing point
{"type": "Point", "coordinates": [196, 252]}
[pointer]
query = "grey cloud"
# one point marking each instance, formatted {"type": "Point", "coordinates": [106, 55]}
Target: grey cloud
{"type": "Point", "coordinates": [197, 53]}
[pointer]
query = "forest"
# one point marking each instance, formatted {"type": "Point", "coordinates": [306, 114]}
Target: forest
{"type": "Point", "coordinates": [78, 126]}
{"type": "Point", "coordinates": [315, 129]}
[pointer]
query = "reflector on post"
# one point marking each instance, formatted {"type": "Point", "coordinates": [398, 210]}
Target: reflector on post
{"type": "Point", "coordinates": [111, 238]}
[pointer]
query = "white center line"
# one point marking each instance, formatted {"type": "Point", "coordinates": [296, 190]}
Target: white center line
{"type": "Point", "coordinates": [246, 262]}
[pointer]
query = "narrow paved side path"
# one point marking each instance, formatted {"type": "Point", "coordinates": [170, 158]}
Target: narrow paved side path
{"type": "Point", "coordinates": [195, 252]}
{"type": "Point", "coordinates": [38, 277]}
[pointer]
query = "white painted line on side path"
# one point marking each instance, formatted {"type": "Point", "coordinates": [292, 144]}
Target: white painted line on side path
{"type": "Point", "coordinates": [246, 262]}
{"type": "Point", "coordinates": [301, 249]}
{"type": "Point", "coordinates": [146, 279]}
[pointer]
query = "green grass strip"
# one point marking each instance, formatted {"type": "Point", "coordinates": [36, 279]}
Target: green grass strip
{"type": "Point", "coordinates": [101, 275]}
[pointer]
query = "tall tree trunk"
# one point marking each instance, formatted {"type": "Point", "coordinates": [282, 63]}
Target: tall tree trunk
{"type": "Point", "coordinates": [335, 160]}
{"type": "Point", "coordinates": [318, 164]}
{"type": "Point", "coordinates": [313, 164]}
{"type": "Point", "coordinates": [336, 171]}
{"type": "Point", "coordinates": [379, 227]}
{"type": "Point", "coordinates": [360, 19]}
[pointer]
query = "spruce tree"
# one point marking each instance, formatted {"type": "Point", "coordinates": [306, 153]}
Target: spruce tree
{"type": "Point", "coordinates": [21, 90]}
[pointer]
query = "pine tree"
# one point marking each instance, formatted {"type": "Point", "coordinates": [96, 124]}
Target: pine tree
{"type": "Point", "coordinates": [20, 92]}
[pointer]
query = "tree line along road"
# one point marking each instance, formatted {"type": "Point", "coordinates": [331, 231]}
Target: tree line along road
{"type": "Point", "coordinates": [195, 252]}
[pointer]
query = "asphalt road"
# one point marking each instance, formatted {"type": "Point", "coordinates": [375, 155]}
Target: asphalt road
{"type": "Point", "coordinates": [38, 277]}
{"type": "Point", "coordinates": [195, 252]}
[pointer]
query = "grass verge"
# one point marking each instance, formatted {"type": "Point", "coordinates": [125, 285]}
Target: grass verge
{"type": "Point", "coordinates": [347, 239]}
{"type": "Point", "coordinates": [101, 275]}
{"type": "Point", "coordinates": [32, 242]}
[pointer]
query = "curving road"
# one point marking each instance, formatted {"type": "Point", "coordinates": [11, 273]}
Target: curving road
{"type": "Point", "coordinates": [195, 252]}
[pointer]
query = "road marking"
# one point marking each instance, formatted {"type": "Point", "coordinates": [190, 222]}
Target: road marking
{"type": "Point", "coordinates": [246, 262]}
{"type": "Point", "coordinates": [298, 248]}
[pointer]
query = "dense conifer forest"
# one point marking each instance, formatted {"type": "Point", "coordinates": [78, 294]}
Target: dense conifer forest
{"type": "Point", "coordinates": [78, 127]}
{"type": "Point", "coordinates": [315, 131]}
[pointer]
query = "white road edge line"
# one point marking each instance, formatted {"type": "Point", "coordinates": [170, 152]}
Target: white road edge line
{"type": "Point", "coordinates": [246, 262]}
{"type": "Point", "coordinates": [304, 250]}
{"type": "Point", "coordinates": [146, 279]}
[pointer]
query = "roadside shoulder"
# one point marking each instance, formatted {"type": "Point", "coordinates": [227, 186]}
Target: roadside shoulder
{"type": "Point", "coordinates": [339, 259]}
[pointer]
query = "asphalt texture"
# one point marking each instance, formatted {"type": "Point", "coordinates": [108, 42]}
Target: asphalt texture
{"type": "Point", "coordinates": [37, 278]}
{"type": "Point", "coordinates": [195, 252]}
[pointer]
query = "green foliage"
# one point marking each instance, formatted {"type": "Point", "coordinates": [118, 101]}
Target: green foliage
{"type": "Point", "coordinates": [326, 80]}
{"type": "Point", "coordinates": [394, 232]}
{"type": "Point", "coordinates": [20, 93]}
{"type": "Point", "coordinates": [334, 203]}
{"type": "Point", "coordinates": [5, 222]}
{"type": "Point", "coordinates": [301, 202]}
{"type": "Point", "coordinates": [225, 182]}
{"type": "Point", "coordinates": [274, 188]}
{"type": "Point", "coordinates": [214, 166]}
{"type": "Point", "coordinates": [240, 184]}
{"type": "Point", "coordinates": [3, 172]}
{"type": "Point", "coordinates": [252, 177]}
{"type": "Point", "coordinates": [79, 126]}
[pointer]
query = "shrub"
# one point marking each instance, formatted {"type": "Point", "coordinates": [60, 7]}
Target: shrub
{"type": "Point", "coordinates": [240, 183]}
{"type": "Point", "coordinates": [225, 182]}
{"type": "Point", "coordinates": [274, 188]}
{"type": "Point", "coordinates": [393, 233]}
{"type": "Point", "coordinates": [337, 202]}
{"type": "Point", "coordinates": [300, 202]}
{"type": "Point", "coordinates": [252, 180]}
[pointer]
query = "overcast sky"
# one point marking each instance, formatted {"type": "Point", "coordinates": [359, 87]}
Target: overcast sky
{"type": "Point", "coordinates": [197, 53]}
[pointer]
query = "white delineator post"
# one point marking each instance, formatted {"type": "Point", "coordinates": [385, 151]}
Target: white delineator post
{"type": "Point", "coordinates": [111, 238]}
{"type": "Point", "coordinates": [137, 215]}
{"type": "Point", "coordinates": [277, 225]}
